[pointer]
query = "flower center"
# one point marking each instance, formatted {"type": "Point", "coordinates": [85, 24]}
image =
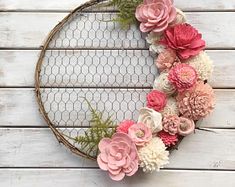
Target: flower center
{"type": "Point", "coordinates": [183, 126]}
{"type": "Point", "coordinates": [118, 156]}
{"type": "Point", "coordinates": [140, 133]}
{"type": "Point", "coordinates": [185, 75]}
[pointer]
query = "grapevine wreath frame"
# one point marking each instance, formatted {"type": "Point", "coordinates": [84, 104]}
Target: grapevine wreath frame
{"type": "Point", "coordinates": [44, 47]}
{"type": "Point", "coordinates": [181, 77]}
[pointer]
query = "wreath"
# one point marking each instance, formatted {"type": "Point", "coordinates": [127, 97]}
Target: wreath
{"type": "Point", "coordinates": [180, 96]}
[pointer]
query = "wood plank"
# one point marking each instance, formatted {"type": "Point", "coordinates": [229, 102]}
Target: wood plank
{"type": "Point", "coordinates": [37, 147]}
{"type": "Point", "coordinates": [66, 5]}
{"type": "Point", "coordinates": [18, 107]}
{"type": "Point", "coordinates": [17, 68]}
{"type": "Point", "coordinates": [95, 177]}
{"type": "Point", "coordinates": [213, 26]}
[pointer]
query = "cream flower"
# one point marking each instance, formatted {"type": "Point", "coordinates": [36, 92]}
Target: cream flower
{"type": "Point", "coordinates": [153, 156]}
{"type": "Point", "coordinates": [150, 118]}
{"type": "Point", "coordinates": [162, 83]}
{"type": "Point", "coordinates": [171, 107]}
{"type": "Point", "coordinates": [180, 18]}
{"type": "Point", "coordinates": [153, 39]}
{"type": "Point", "coordinates": [202, 64]}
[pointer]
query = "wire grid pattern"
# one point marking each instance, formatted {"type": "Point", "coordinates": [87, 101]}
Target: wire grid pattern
{"type": "Point", "coordinates": [92, 57]}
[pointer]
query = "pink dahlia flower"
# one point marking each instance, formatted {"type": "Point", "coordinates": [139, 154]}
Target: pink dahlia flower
{"type": "Point", "coordinates": [156, 100]}
{"type": "Point", "coordinates": [170, 124]}
{"type": "Point", "coordinates": [140, 134]}
{"type": "Point", "coordinates": [183, 77]}
{"type": "Point", "coordinates": [124, 126]}
{"type": "Point", "coordinates": [186, 126]}
{"type": "Point", "coordinates": [155, 15]}
{"type": "Point", "coordinates": [118, 156]}
{"type": "Point", "coordinates": [197, 102]}
{"type": "Point", "coordinates": [166, 60]}
{"type": "Point", "coordinates": [184, 39]}
{"type": "Point", "coordinates": [167, 138]}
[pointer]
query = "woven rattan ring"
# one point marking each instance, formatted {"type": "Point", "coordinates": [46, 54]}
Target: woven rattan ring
{"type": "Point", "coordinates": [87, 55]}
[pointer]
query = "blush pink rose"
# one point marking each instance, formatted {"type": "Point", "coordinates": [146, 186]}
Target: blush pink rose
{"type": "Point", "coordinates": [156, 100]}
{"type": "Point", "coordinates": [183, 77]}
{"type": "Point", "coordinates": [140, 134]}
{"type": "Point", "coordinates": [118, 156]}
{"type": "Point", "coordinates": [170, 124]}
{"type": "Point", "coordinates": [184, 39]}
{"type": "Point", "coordinates": [124, 126]}
{"type": "Point", "coordinates": [155, 15]}
{"type": "Point", "coordinates": [166, 60]}
{"type": "Point", "coordinates": [186, 126]}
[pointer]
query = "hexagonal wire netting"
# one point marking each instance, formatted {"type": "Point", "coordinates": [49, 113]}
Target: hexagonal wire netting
{"type": "Point", "coordinates": [92, 57]}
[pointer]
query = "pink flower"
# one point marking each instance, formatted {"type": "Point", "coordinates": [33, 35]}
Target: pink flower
{"type": "Point", "coordinates": [124, 126]}
{"type": "Point", "coordinates": [118, 156]}
{"type": "Point", "coordinates": [186, 126]}
{"type": "Point", "coordinates": [197, 102]}
{"type": "Point", "coordinates": [140, 134]}
{"type": "Point", "coordinates": [167, 138]}
{"type": "Point", "coordinates": [166, 60]}
{"type": "Point", "coordinates": [184, 39]}
{"type": "Point", "coordinates": [155, 15]}
{"type": "Point", "coordinates": [156, 100]}
{"type": "Point", "coordinates": [170, 124]}
{"type": "Point", "coordinates": [183, 77]}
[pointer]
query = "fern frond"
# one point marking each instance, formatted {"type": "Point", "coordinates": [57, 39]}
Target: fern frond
{"type": "Point", "coordinates": [99, 129]}
{"type": "Point", "coordinates": [126, 8]}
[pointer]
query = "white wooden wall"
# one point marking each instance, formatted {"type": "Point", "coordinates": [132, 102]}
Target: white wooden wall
{"type": "Point", "coordinates": [31, 156]}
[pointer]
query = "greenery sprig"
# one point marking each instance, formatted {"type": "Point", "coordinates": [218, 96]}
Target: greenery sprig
{"type": "Point", "coordinates": [99, 129]}
{"type": "Point", "coordinates": [126, 8]}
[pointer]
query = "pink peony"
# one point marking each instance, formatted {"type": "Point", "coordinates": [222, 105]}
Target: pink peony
{"type": "Point", "coordinates": [183, 77]}
{"type": "Point", "coordinates": [197, 102]}
{"type": "Point", "coordinates": [124, 126]}
{"type": "Point", "coordinates": [170, 124]}
{"type": "Point", "coordinates": [155, 15]}
{"type": "Point", "coordinates": [167, 138]}
{"type": "Point", "coordinates": [118, 156]}
{"type": "Point", "coordinates": [186, 126]}
{"type": "Point", "coordinates": [156, 100]}
{"type": "Point", "coordinates": [184, 39]}
{"type": "Point", "coordinates": [140, 134]}
{"type": "Point", "coordinates": [166, 60]}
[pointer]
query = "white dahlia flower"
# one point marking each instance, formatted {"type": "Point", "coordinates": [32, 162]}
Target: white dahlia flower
{"type": "Point", "coordinates": [153, 156]}
{"type": "Point", "coordinates": [202, 64]}
{"type": "Point", "coordinates": [162, 84]}
{"type": "Point", "coordinates": [180, 17]}
{"type": "Point", "coordinates": [153, 39]}
{"type": "Point", "coordinates": [171, 107]}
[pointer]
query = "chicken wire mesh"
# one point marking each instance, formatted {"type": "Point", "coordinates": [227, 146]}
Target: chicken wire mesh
{"type": "Point", "coordinates": [89, 56]}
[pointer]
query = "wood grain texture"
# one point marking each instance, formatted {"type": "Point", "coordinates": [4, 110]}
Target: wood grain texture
{"type": "Point", "coordinates": [17, 68]}
{"type": "Point", "coordinates": [66, 5]}
{"type": "Point", "coordinates": [94, 177]}
{"type": "Point", "coordinates": [32, 147]}
{"type": "Point", "coordinates": [26, 142]}
{"type": "Point", "coordinates": [19, 108]}
{"type": "Point", "coordinates": [213, 26]}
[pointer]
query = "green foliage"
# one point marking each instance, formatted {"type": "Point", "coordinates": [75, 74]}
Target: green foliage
{"type": "Point", "coordinates": [99, 129]}
{"type": "Point", "coordinates": [126, 8]}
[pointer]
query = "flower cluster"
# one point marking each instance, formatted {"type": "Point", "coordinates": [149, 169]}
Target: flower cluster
{"type": "Point", "coordinates": [179, 98]}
